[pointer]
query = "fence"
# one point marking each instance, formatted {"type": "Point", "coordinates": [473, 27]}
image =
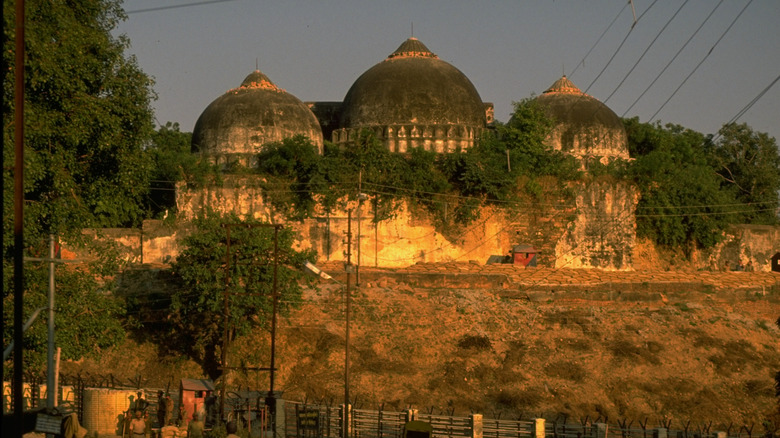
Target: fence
{"type": "Point", "coordinates": [316, 421]}
{"type": "Point", "coordinates": [301, 420]}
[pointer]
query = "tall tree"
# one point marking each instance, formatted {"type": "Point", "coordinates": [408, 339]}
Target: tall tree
{"type": "Point", "coordinates": [172, 163]}
{"type": "Point", "coordinates": [681, 201]}
{"type": "Point", "coordinates": [748, 163]}
{"type": "Point", "coordinates": [87, 118]}
{"type": "Point", "coordinates": [211, 271]}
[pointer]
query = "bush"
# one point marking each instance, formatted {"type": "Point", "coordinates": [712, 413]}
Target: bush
{"type": "Point", "coordinates": [475, 342]}
{"type": "Point", "coordinates": [567, 370]}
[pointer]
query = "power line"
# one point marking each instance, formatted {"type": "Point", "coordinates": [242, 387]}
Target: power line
{"type": "Point", "coordinates": [750, 104]}
{"type": "Point", "coordinates": [703, 59]}
{"type": "Point", "coordinates": [674, 57]}
{"type": "Point", "coordinates": [646, 50]}
{"type": "Point", "coordinates": [598, 40]}
{"type": "Point", "coordinates": [620, 46]}
{"type": "Point", "coordinates": [183, 5]}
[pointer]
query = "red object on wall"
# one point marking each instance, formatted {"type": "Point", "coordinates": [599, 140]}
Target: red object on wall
{"type": "Point", "coordinates": [193, 394]}
{"type": "Point", "coordinates": [525, 255]}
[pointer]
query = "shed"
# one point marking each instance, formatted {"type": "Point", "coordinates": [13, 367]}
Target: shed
{"type": "Point", "coordinates": [525, 255]}
{"type": "Point", "coordinates": [193, 394]}
{"type": "Point", "coordinates": [776, 262]}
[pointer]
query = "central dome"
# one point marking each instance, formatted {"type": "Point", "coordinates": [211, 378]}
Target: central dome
{"type": "Point", "coordinates": [411, 89]}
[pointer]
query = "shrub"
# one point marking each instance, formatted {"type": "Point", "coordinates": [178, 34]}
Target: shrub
{"type": "Point", "coordinates": [567, 370]}
{"type": "Point", "coordinates": [475, 342]}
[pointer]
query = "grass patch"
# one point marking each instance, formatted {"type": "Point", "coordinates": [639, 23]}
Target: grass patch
{"type": "Point", "coordinates": [475, 343]}
{"type": "Point", "coordinates": [625, 350]}
{"type": "Point", "coordinates": [568, 370]}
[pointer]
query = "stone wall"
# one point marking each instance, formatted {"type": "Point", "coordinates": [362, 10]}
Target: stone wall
{"type": "Point", "coordinates": [603, 232]}
{"type": "Point", "coordinates": [599, 231]}
{"type": "Point", "coordinates": [745, 246]}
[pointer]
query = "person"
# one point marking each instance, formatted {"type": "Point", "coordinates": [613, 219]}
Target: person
{"type": "Point", "coordinates": [140, 403]}
{"type": "Point", "coordinates": [749, 266]}
{"type": "Point", "coordinates": [195, 429]}
{"type": "Point", "coordinates": [182, 418]}
{"type": "Point", "coordinates": [169, 431]}
{"type": "Point", "coordinates": [161, 409]}
{"type": "Point", "coordinates": [231, 428]}
{"type": "Point", "coordinates": [168, 408]}
{"type": "Point", "coordinates": [138, 427]}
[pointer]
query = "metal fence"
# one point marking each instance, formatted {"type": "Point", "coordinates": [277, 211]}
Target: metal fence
{"type": "Point", "coordinates": [316, 421]}
{"type": "Point", "coordinates": [507, 428]}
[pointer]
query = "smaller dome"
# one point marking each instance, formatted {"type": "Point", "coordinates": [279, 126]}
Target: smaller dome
{"type": "Point", "coordinates": [242, 120]}
{"type": "Point", "coordinates": [584, 125]}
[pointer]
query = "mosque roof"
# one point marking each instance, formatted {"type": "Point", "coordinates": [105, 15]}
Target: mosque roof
{"type": "Point", "coordinates": [255, 113]}
{"type": "Point", "coordinates": [568, 104]}
{"type": "Point", "coordinates": [412, 86]}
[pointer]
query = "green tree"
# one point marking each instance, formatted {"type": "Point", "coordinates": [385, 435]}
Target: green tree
{"type": "Point", "coordinates": [172, 163]}
{"type": "Point", "coordinates": [296, 177]}
{"type": "Point", "coordinates": [681, 201]}
{"type": "Point", "coordinates": [748, 163]}
{"type": "Point", "coordinates": [87, 118]}
{"type": "Point", "coordinates": [197, 309]}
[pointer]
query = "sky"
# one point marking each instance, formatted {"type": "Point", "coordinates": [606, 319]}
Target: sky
{"type": "Point", "coordinates": [196, 50]}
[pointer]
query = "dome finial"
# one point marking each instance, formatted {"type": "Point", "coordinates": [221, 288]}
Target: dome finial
{"type": "Point", "coordinates": [564, 85]}
{"type": "Point", "coordinates": [412, 48]}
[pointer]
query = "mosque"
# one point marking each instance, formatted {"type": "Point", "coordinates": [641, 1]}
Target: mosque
{"type": "Point", "coordinates": [414, 99]}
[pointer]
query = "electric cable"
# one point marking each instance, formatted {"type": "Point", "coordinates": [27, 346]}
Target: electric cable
{"type": "Point", "coordinates": [702, 60]}
{"type": "Point", "coordinates": [674, 57]}
{"type": "Point", "coordinates": [183, 5]}
{"type": "Point", "coordinates": [645, 51]}
{"type": "Point", "coordinates": [620, 46]}
{"type": "Point", "coordinates": [582, 62]}
{"type": "Point", "coordinates": [747, 107]}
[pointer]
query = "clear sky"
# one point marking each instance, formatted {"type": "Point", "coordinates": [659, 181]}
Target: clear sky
{"type": "Point", "coordinates": [509, 49]}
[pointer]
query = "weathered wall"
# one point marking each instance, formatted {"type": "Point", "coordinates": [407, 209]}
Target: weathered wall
{"type": "Point", "coordinates": [603, 233]}
{"type": "Point", "coordinates": [598, 232]}
{"type": "Point", "coordinates": [743, 245]}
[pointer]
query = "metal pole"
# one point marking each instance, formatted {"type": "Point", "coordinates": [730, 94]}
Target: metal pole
{"type": "Point", "coordinates": [273, 317]}
{"type": "Point", "coordinates": [225, 333]}
{"type": "Point", "coordinates": [18, 214]}
{"type": "Point", "coordinates": [51, 388]}
{"type": "Point", "coordinates": [359, 213]}
{"type": "Point", "coordinates": [346, 336]}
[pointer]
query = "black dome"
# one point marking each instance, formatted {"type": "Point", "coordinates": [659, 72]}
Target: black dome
{"type": "Point", "coordinates": [585, 125]}
{"type": "Point", "coordinates": [412, 86]}
{"type": "Point", "coordinates": [245, 118]}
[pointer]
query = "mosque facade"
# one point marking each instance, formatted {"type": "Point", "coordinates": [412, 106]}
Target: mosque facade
{"type": "Point", "coordinates": [413, 99]}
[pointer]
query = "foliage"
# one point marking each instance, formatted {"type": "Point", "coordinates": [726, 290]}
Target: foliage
{"type": "Point", "coordinates": [296, 175]}
{"type": "Point", "coordinates": [451, 187]}
{"type": "Point", "coordinates": [88, 318]}
{"type": "Point", "coordinates": [87, 118]}
{"type": "Point", "coordinates": [682, 203]}
{"type": "Point", "coordinates": [197, 309]}
{"type": "Point", "coordinates": [748, 163]}
{"type": "Point", "coordinates": [172, 163]}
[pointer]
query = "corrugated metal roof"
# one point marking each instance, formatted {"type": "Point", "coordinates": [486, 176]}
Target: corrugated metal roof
{"type": "Point", "coordinates": [197, 385]}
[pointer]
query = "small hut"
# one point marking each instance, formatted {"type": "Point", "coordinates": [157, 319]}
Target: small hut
{"type": "Point", "coordinates": [524, 255]}
{"type": "Point", "coordinates": [193, 394]}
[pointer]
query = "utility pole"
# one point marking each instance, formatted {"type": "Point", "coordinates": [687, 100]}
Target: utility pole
{"type": "Point", "coordinates": [271, 399]}
{"type": "Point", "coordinates": [18, 215]}
{"type": "Point", "coordinates": [348, 268]}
